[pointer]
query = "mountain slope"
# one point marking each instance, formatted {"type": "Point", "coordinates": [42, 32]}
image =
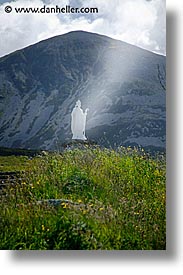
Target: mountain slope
{"type": "Point", "coordinates": [121, 85]}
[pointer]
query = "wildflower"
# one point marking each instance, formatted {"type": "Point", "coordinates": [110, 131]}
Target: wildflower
{"type": "Point", "coordinates": [42, 226]}
{"type": "Point", "coordinates": [101, 208]}
{"type": "Point", "coordinates": [64, 205]}
{"type": "Point", "coordinates": [157, 172]}
{"type": "Point", "coordinates": [79, 201]}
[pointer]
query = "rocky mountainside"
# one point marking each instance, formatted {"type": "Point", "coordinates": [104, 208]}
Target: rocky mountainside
{"type": "Point", "coordinates": [122, 85]}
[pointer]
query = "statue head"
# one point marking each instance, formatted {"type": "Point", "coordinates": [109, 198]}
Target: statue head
{"type": "Point", "coordinates": [78, 103]}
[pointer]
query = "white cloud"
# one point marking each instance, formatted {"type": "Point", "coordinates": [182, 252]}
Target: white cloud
{"type": "Point", "coordinates": [138, 22]}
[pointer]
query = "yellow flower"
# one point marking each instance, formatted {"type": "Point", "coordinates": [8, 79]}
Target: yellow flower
{"type": "Point", "coordinates": [42, 226]}
{"type": "Point", "coordinates": [156, 172]}
{"type": "Point", "coordinates": [79, 201]}
{"type": "Point", "coordinates": [101, 208]}
{"type": "Point", "coordinates": [64, 205]}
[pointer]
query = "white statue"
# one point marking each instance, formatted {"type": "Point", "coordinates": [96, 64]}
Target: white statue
{"type": "Point", "coordinates": [78, 122]}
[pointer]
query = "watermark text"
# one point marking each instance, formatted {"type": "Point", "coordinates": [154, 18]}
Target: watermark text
{"type": "Point", "coordinates": [47, 9]}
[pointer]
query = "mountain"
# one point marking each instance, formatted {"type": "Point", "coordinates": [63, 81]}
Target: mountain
{"type": "Point", "coordinates": [121, 84]}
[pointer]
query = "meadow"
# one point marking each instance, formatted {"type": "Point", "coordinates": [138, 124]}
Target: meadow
{"type": "Point", "coordinates": [85, 199]}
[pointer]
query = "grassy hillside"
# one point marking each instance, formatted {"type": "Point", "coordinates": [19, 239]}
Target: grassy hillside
{"type": "Point", "coordinates": [86, 199]}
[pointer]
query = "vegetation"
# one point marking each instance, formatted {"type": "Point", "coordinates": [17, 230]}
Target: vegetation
{"type": "Point", "coordinates": [12, 163]}
{"type": "Point", "coordinates": [86, 199]}
{"type": "Point", "coordinates": [18, 152]}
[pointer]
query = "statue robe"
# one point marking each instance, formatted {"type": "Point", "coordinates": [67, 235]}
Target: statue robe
{"type": "Point", "coordinates": [78, 122]}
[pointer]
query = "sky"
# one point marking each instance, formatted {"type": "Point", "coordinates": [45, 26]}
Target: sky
{"type": "Point", "coordinates": [138, 22]}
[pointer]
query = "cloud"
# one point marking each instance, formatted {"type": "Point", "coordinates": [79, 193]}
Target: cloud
{"type": "Point", "coordinates": [139, 22]}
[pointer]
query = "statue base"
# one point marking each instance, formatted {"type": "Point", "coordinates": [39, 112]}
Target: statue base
{"type": "Point", "coordinates": [78, 143]}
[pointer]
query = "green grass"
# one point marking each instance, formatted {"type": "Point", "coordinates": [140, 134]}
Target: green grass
{"type": "Point", "coordinates": [108, 200]}
{"type": "Point", "coordinates": [13, 163]}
